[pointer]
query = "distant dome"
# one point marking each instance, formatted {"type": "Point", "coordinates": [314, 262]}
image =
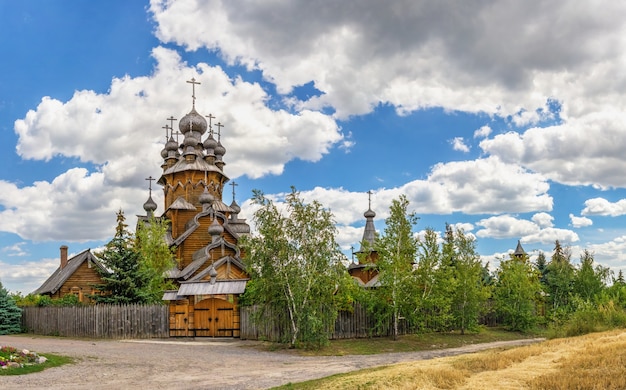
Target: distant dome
{"type": "Point", "coordinates": [220, 150]}
{"type": "Point", "coordinates": [171, 144]}
{"type": "Point", "coordinates": [192, 122]}
{"type": "Point", "coordinates": [210, 143]}
{"type": "Point", "coordinates": [369, 213]}
{"type": "Point", "coordinates": [235, 207]}
{"type": "Point", "coordinates": [150, 205]}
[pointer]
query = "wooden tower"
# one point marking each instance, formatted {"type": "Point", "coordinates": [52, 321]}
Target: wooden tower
{"type": "Point", "coordinates": [204, 230]}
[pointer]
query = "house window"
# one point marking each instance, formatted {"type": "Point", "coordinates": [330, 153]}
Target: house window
{"type": "Point", "coordinates": [76, 291]}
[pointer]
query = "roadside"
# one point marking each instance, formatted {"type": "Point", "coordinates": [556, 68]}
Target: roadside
{"type": "Point", "coordinates": [199, 364]}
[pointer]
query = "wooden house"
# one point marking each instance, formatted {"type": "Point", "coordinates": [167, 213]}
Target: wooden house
{"type": "Point", "coordinates": [75, 276]}
{"type": "Point", "coordinates": [204, 230]}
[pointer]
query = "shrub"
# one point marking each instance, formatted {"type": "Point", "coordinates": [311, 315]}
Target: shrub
{"type": "Point", "coordinates": [10, 314]}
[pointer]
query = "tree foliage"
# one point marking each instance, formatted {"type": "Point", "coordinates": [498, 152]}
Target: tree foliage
{"type": "Point", "coordinates": [156, 257]}
{"type": "Point", "coordinates": [135, 266]}
{"type": "Point", "coordinates": [10, 313]}
{"type": "Point", "coordinates": [397, 252]}
{"type": "Point", "coordinates": [433, 282]}
{"type": "Point", "coordinates": [469, 294]}
{"type": "Point", "coordinates": [296, 265]}
{"type": "Point", "coordinates": [516, 292]}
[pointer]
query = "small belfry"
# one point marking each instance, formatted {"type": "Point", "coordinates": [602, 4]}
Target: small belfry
{"type": "Point", "coordinates": [204, 230]}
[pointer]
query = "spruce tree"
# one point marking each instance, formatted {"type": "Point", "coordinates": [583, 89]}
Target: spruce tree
{"type": "Point", "coordinates": [125, 280]}
{"type": "Point", "coordinates": [10, 314]}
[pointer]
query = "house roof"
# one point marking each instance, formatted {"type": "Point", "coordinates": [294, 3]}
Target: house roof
{"type": "Point", "coordinates": [60, 276]}
{"type": "Point", "coordinates": [219, 287]}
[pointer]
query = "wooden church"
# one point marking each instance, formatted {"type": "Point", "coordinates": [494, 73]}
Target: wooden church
{"type": "Point", "coordinates": [204, 230]}
{"type": "Point", "coordinates": [364, 270]}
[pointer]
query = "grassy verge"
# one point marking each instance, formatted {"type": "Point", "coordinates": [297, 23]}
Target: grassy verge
{"type": "Point", "coordinates": [406, 343]}
{"type": "Point", "coordinates": [593, 361]}
{"type": "Point", "coordinates": [53, 361]}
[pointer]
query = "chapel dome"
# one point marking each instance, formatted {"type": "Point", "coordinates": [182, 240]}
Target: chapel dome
{"type": "Point", "coordinates": [192, 122]}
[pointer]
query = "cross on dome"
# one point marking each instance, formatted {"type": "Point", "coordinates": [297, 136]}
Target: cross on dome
{"type": "Point", "coordinates": [193, 83]}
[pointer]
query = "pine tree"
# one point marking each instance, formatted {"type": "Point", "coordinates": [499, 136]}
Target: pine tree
{"type": "Point", "coordinates": [125, 280]}
{"type": "Point", "coordinates": [10, 314]}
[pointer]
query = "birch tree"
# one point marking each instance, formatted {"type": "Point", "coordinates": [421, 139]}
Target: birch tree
{"type": "Point", "coordinates": [296, 265]}
{"type": "Point", "coordinates": [397, 251]}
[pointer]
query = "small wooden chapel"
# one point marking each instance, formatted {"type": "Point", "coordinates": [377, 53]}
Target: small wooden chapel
{"type": "Point", "coordinates": [204, 230]}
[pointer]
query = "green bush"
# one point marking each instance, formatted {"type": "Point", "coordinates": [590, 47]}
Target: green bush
{"type": "Point", "coordinates": [10, 314]}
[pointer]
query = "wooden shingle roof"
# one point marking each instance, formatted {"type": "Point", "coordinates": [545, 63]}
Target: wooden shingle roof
{"type": "Point", "coordinates": [60, 276]}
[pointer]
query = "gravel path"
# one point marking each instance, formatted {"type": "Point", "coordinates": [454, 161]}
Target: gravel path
{"type": "Point", "coordinates": [198, 364]}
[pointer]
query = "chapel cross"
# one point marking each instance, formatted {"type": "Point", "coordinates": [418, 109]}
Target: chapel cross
{"type": "Point", "coordinates": [369, 199]}
{"type": "Point", "coordinates": [233, 184]}
{"type": "Point", "coordinates": [150, 180]}
{"type": "Point", "coordinates": [166, 127]}
{"type": "Point", "coordinates": [193, 83]}
{"type": "Point", "coordinates": [210, 116]}
{"type": "Point", "coordinates": [171, 119]}
{"type": "Point", "coordinates": [219, 130]}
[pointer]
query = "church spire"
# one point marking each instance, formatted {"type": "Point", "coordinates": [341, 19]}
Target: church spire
{"type": "Point", "coordinates": [369, 234]}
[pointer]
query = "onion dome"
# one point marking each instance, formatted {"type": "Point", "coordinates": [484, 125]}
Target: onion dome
{"type": "Point", "coordinates": [205, 197]}
{"type": "Point", "coordinates": [235, 207]}
{"type": "Point", "coordinates": [192, 122]}
{"type": "Point", "coordinates": [216, 229]}
{"type": "Point", "coordinates": [190, 140]}
{"type": "Point", "coordinates": [210, 143]}
{"type": "Point", "coordinates": [150, 205]}
{"type": "Point", "coordinates": [369, 213]}
{"type": "Point", "coordinates": [164, 153]}
{"type": "Point", "coordinates": [219, 150]}
{"type": "Point", "coordinates": [171, 144]}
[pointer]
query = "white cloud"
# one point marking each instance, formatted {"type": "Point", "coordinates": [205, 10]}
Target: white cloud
{"type": "Point", "coordinates": [504, 59]}
{"type": "Point", "coordinates": [483, 132]}
{"type": "Point", "coordinates": [507, 226]}
{"type": "Point", "coordinates": [16, 249]}
{"type": "Point", "coordinates": [100, 129]}
{"type": "Point", "coordinates": [26, 277]}
{"type": "Point", "coordinates": [543, 220]}
{"type": "Point", "coordinates": [601, 206]}
{"type": "Point", "coordinates": [458, 144]}
{"type": "Point", "coordinates": [579, 222]}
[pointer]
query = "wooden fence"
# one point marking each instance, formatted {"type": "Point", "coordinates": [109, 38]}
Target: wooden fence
{"type": "Point", "coordinates": [357, 323]}
{"type": "Point", "coordinates": [348, 325]}
{"type": "Point", "coordinates": [98, 321]}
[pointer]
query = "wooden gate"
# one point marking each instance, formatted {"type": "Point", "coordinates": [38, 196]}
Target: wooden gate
{"type": "Point", "coordinates": [179, 319]}
{"type": "Point", "coordinates": [213, 317]}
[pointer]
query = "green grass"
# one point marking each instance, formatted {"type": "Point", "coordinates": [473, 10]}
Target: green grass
{"type": "Point", "coordinates": [406, 343]}
{"type": "Point", "coordinates": [53, 361]}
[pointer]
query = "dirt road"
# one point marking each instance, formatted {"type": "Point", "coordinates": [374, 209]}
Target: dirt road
{"type": "Point", "coordinates": [198, 364]}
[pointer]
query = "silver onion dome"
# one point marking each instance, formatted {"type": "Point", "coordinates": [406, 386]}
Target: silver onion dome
{"type": "Point", "coordinates": [193, 122]}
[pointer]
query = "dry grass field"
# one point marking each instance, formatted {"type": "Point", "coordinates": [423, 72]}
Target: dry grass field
{"type": "Point", "coordinates": [594, 361]}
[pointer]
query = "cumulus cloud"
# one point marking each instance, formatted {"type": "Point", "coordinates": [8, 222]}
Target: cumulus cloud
{"type": "Point", "coordinates": [579, 222]}
{"type": "Point", "coordinates": [100, 129]}
{"type": "Point", "coordinates": [503, 59]}
{"type": "Point", "coordinates": [507, 226]}
{"type": "Point", "coordinates": [483, 132]}
{"type": "Point", "coordinates": [601, 206]}
{"type": "Point", "coordinates": [543, 220]}
{"type": "Point", "coordinates": [25, 277]}
{"type": "Point", "coordinates": [458, 144]}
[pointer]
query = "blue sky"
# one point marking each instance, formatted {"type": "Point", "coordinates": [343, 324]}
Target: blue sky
{"type": "Point", "coordinates": [503, 118]}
